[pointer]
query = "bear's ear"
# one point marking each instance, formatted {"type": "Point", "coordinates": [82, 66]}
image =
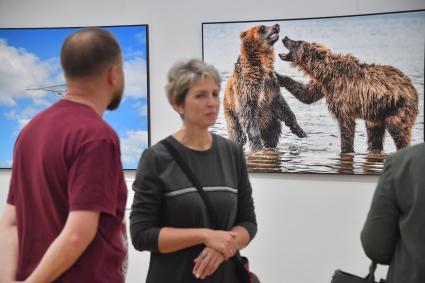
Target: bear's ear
{"type": "Point", "coordinates": [319, 51]}
{"type": "Point", "coordinates": [243, 34]}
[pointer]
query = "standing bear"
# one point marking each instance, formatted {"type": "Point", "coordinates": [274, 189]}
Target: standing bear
{"type": "Point", "coordinates": [381, 95]}
{"type": "Point", "coordinates": [253, 105]}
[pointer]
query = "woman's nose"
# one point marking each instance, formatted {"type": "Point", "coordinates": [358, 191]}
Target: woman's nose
{"type": "Point", "coordinates": [212, 100]}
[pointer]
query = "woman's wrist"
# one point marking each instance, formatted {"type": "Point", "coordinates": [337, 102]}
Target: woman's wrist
{"type": "Point", "coordinates": [204, 234]}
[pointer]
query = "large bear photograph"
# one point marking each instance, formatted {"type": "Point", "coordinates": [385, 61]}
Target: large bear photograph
{"type": "Point", "coordinates": [31, 79]}
{"type": "Point", "coordinates": [320, 95]}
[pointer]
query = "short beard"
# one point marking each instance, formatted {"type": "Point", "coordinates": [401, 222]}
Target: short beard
{"type": "Point", "coordinates": [115, 103]}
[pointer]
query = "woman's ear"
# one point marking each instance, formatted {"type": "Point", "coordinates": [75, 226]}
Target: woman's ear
{"type": "Point", "coordinates": [179, 107]}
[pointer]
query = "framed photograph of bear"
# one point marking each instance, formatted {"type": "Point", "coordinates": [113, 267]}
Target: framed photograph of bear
{"type": "Point", "coordinates": [320, 95]}
{"type": "Point", "coordinates": [31, 79]}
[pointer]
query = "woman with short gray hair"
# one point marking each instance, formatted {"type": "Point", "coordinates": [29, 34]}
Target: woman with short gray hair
{"type": "Point", "coordinates": [183, 74]}
{"type": "Point", "coordinates": [168, 217]}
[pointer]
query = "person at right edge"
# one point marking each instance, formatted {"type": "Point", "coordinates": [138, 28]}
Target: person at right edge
{"type": "Point", "coordinates": [394, 232]}
{"type": "Point", "coordinates": [168, 216]}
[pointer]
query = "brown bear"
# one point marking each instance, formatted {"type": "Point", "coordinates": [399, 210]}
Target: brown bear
{"type": "Point", "coordinates": [379, 94]}
{"type": "Point", "coordinates": [253, 104]}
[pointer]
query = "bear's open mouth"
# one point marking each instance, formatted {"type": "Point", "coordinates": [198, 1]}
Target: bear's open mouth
{"type": "Point", "coordinates": [287, 43]}
{"type": "Point", "coordinates": [285, 56]}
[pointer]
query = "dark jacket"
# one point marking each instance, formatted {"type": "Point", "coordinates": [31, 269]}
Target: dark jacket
{"type": "Point", "coordinates": [394, 232]}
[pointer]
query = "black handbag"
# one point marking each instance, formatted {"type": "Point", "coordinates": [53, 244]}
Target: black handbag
{"type": "Point", "coordinates": [241, 262]}
{"type": "Point", "coordinates": [344, 277]}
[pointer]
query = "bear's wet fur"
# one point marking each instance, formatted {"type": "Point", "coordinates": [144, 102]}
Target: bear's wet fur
{"type": "Point", "coordinates": [379, 94]}
{"type": "Point", "coordinates": [253, 104]}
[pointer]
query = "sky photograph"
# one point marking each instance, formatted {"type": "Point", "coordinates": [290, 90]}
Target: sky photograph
{"type": "Point", "coordinates": [31, 79]}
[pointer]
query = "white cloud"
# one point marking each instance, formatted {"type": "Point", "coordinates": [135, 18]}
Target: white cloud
{"type": "Point", "coordinates": [141, 37]}
{"type": "Point", "coordinates": [42, 102]}
{"type": "Point", "coordinates": [133, 145]}
{"type": "Point", "coordinates": [135, 78]}
{"type": "Point", "coordinates": [142, 109]}
{"type": "Point", "coordinates": [20, 70]}
{"type": "Point", "coordinates": [7, 100]}
{"type": "Point", "coordinates": [23, 117]}
{"type": "Point", "coordinates": [23, 122]}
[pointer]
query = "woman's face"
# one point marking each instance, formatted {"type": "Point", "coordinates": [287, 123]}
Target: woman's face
{"type": "Point", "coordinates": [201, 105]}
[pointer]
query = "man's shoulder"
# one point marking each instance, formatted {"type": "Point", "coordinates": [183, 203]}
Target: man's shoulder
{"type": "Point", "coordinates": [75, 119]}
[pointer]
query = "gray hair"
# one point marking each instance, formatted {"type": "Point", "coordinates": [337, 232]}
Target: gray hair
{"type": "Point", "coordinates": [183, 74]}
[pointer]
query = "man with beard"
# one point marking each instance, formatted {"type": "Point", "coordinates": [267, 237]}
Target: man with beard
{"type": "Point", "coordinates": [64, 217]}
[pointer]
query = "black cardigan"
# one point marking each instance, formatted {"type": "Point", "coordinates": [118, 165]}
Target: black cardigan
{"type": "Point", "coordinates": [164, 197]}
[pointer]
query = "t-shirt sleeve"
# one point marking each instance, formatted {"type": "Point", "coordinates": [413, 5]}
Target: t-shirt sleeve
{"type": "Point", "coordinates": [380, 232]}
{"type": "Point", "coordinates": [245, 216]}
{"type": "Point", "coordinates": [146, 207]}
{"type": "Point", "coordinates": [94, 177]}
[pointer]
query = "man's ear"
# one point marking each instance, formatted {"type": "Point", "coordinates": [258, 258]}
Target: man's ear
{"type": "Point", "coordinates": [112, 74]}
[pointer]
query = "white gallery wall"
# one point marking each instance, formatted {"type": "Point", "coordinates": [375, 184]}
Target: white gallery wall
{"type": "Point", "coordinates": [308, 225]}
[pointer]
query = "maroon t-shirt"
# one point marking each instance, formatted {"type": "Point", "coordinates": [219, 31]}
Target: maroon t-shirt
{"type": "Point", "coordinates": [66, 159]}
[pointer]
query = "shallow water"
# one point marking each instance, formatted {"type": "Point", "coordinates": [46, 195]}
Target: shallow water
{"type": "Point", "coordinates": [320, 151]}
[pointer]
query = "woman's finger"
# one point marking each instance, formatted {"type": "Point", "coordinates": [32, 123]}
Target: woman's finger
{"type": "Point", "coordinates": [202, 266]}
{"type": "Point", "coordinates": [216, 259]}
{"type": "Point", "coordinates": [198, 260]}
{"type": "Point", "coordinates": [211, 266]}
{"type": "Point", "coordinates": [214, 265]}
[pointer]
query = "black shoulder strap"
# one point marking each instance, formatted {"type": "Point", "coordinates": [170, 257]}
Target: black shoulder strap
{"type": "Point", "coordinates": [192, 178]}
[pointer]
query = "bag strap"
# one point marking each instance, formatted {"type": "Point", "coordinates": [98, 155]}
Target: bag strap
{"type": "Point", "coordinates": [371, 276]}
{"type": "Point", "coordinates": [192, 178]}
{"type": "Point", "coordinates": [243, 274]}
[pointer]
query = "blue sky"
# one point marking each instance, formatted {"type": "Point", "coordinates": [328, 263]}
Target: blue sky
{"type": "Point", "coordinates": [29, 59]}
